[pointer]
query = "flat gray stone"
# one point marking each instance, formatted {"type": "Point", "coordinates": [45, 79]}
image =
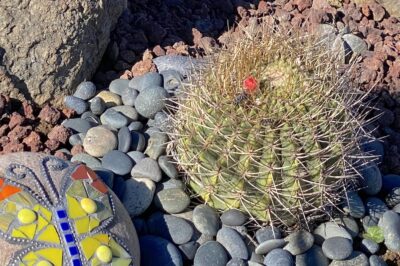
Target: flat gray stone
{"type": "Point", "coordinates": [117, 162]}
{"type": "Point", "coordinates": [167, 167]}
{"type": "Point", "coordinates": [375, 207]}
{"type": "Point", "coordinates": [150, 79]}
{"type": "Point", "coordinates": [99, 141]}
{"type": "Point", "coordinates": [328, 230]}
{"type": "Point", "coordinates": [299, 242]}
{"type": "Point", "coordinates": [124, 139]}
{"type": "Point", "coordinates": [97, 106]}
{"type": "Point", "coordinates": [173, 200]}
{"type": "Point", "coordinates": [233, 217]}
{"type": "Point", "coordinates": [157, 145]}
{"type": "Point", "coordinates": [156, 251]}
{"type": "Point", "coordinates": [337, 248]}
{"type": "Point", "coordinates": [390, 223]}
{"type": "Point", "coordinates": [266, 233]}
{"type": "Point", "coordinates": [279, 257]}
{"type": "Point", "coordinates": [356, 259]}
{"type": "Point", "coordinates": [371, 179]}
{"type": "Point", "coordinates": [76, 104]}
{"type": "Point", "coordinates": [119, 86]}
{"type": "Point", "coordinates": [233, 243]}
{"type": "Point", "coordinates": [85, 90]}
{"type": "Point", "coordinates": [85, 158]}
{"type": "Point", "coordinates": [211, 253]}
{"type": "Point", "coordinates": [147, 168]}
{"type": "Point", "coordinates": [150, 101]}
{"type": "Point", "coordinates": [269, 245]}
{"type": "Point", "coordinates": [114, 119]}
{"type": "Point", "coordinates": [138, 195]}
{"type": "Point", "coordinates": [354, 205]}
{"type": "Point", "coordinates": [313, 256]}
{"type": "Point", "coordinates": [206, 220]}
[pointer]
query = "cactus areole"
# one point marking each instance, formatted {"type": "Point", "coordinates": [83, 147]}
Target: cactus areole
{"type": "Point", "coordinates": [271, 128]}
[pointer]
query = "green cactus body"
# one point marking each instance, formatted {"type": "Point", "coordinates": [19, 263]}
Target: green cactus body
{"type": "Point", "coordinates": [282, 154]}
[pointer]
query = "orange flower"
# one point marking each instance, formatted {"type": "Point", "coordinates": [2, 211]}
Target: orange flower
{"type": "Point", "coordinates": [250, 84]}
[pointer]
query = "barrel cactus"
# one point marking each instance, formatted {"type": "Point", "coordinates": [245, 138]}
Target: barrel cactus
{"type": "Point", "coordinates": [270, 126]}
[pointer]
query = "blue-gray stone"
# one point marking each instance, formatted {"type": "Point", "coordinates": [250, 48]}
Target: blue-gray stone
{"type": "Point", "coordinates": [85, 90]}
{"type": "Point", "coordinates": [374, 147]}
{"type": "Point", "coordinates": [241, 229]}
{"type": "Point", "coordinates": [161, 120]}
{"type": "Point", "coordinates": [129, 97]}
{"type": "Point", "coordinates": [182, 64]}
{"type": "Point", "coordinates": [357, 258]}
{"type": "Point", "coordinates": [233, 217]}
{"type": "Point", "coordinates": [328, 230]}
{"type": "Point", "coordinates": [375, 207]}
{"type": "Point", "coordinates": [140, 226]}
{"type": "Point", "coordinates": [354, 205]}
{"type": "Point", "coordinates": [114, 119]}
{"type": "Point", "coordinates": [138, 141]}
{"type": "Point", "coordinates": [299, 242]}
{"type": "Point", "coordinates": [106, 175]}
{"type": "Point", "coordinates": [136, 156]}
{"type": "Point", "coordinates": [119, 86]}
{"type": "Point", "coordinates": [206, 220]}
{"type": "Point", "coordinates": [256, 258]}
{"type": "Point", "coordinates": [97, 106]}
{"type": "Point", "coordinates": [147, 168]}
{"type": "Point", "coordinates": [156, 251]}
{"type": "Point", "coordinates": [119, 186]}
{"type": "Point", "coordinates": [118, 162]}
{"type": "Point", "coordinates": [128, 111]}
{"type": "Point", "coordinates": [393, 197]}
{"type": "Point", "coordinates": [138, 195]}
{"type": "Point", "coordinates": [389, 182]}
{"type": "Point", "coordinates": [371, 179]}
{"type": "Point", "coordinates": [269, 245]}
{"type": "Point", "coordinates": [356, 44]}
{"type": "Point", "coordinates": [279, 257]}
{"type": "Point", "coordinates": [189, 250]}
{"type": "Point", "coordinates": [266, 233]}
{"type": "Point", "coordinates": [150, 101]}
{"type": "Point", "coordinates": [76, 139]}
{"type": "Point", "coordinates": [124, 139]}
{"type": "Point", "coordinates": [233, 243]}
{"type": "Point", "coordinates": [173, 200]}
{"type": "Point", "coordinates": [171, 183]}
{"type": "Point", "coordinates": [396, 208]}
{"type": "Point", "coordinates": [236, 262]}
{"type": "Point", "coordinates": [349, 224]}
{"type": "Point", "coordinates": [390, 224]}
{"type": "Point", "coordinates": [167, 167]}
{"type": "Point", "coordinates": [210, 253]}
{"type": "Point", "coordinates": [172, 79]}
{"type": "Point", "coordinates": [135, 126]}
{"type": "Point", "coordinates": [89, 116]}
{"type": "Point", "coordinates": [313, 256]}
{"type": "Point", "coordinates": [150, 79]}
{"type": "Point", "coordinates": [369, 246]}
{"type": "Point", "coordinates": [337, 248]}
{"type": "Point", "coordinates": [76, 104]}
{"type": "Point", "coordinates": [369, 221]}
{"type": "Point", "coordinates": [374, 260]}
{"type": "Point", "coordinates": [157, 145]}
{"type": "Point", "coordinates": [87, 159]}
{"type": "Point", "coordinates": [172, 228]}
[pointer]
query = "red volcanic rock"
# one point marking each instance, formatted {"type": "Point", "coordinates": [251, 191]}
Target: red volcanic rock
{"type": "Point", "coordinates": [19, 132]}
{"type": "Point", "coordinates": [77, 149]}
{"type": "Point", "coordinates": [60, 134]}
{"type": "Point", "coordinates": [49, 114]}
{"type": "Point", "coordinates": [16, 120]}
{"type": "Point", "coordinates": [33, 142]}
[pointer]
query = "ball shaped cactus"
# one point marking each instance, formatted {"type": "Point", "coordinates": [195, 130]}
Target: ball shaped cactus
{"type": "Point", "coordinates": [270, 127]}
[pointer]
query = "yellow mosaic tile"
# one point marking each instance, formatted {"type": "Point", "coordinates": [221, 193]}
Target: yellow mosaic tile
{"type": "Point", "coordinates": [89, 246]}
{"type": "Point", "coordinates": [49, 234]}
{"type": "Point", "coordinates": [26, 216]}
{"type": "Point", "coordinates": [121, 262]}
{"type": "Point", "coordinates": [94, 223]}
{"type": "Point", "coordinates": [5, 221]}
{"type": "Point", "coordinates": [117, 250]}
{"type": "Point", "coordinates": [10, 207]}
{"type": "Point", "coordinates": [77, 189]}
{"type": "Point", "coordinates": [102, 238]}
{"type": "Point", "coordinates": [82, 225]}
{"type": "Point", "coordinates": [41, 222]}
{"type": "Point", "coordinates": [74, 208]}
{"type": "Point", "coordinates": [28, 230]}
{"type": "Point", "coordinates": [53, 255]}
{"type": "Point", "coordinates": [44, 212]}
{"type": "Point", "coordinates": [18, 234]}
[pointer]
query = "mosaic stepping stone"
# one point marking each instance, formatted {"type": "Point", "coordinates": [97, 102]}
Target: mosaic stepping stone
{"type": "Point", "coordinates": [55, 213]}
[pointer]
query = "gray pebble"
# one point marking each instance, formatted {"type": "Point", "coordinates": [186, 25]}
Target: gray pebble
{"type": "Point", "coordinates": [269, 245]}
{"type": "Point", "coordinates": [135, 126]}
{"type": "Point", "coordinates": [299, 242]}
{"type": "Point", "coordinates": [78, 125]}
{"type": "Point", "coordinates": [313, 256]}
{"type": "Point", "coordinates": [233, 243]}
{"type": "Point", "coordinates": [328, 230]}
{"type": "Point", "coordinates": [167, 167]}
{"type": "Point", "coordinates": [173, 200]}
{"type": "Point", "coordinates": [118, 162]}
{"type": "Point", "coordinates": [172, 79]}
{"type": "Point", "coordinates": [124, 139]}
{"type": "Point", "coordinates": [76, 139]}
{"type": "Point", "coordinates": [211, 253]}
{"type": "Point", "coordinates": [150, 101]}
{"type": "Point", "coordinates": [354, 205]}
{"type": "Point", "coordinates": [179, 63]}
{"type": "Point", "coordinates": [147, 168]}
{"type": "Point", "coordinates": [206, 220]}
{"type": "Point", "coordinates": [337, 248]}
{"type": "Point", "coordinates": [390, 223]}
{"type": "Point", "coordinates": [129, 97]}
{"type": "Point", "coordinates": [128, 111]}
{"type": "Point", "coordinates": [396, 208]}
{"type": "Point", "coordinates": [97, 106]}
{"type": "Point", "coordinates": [349, 224]}
{"type": "Point", "coordinates": [236, 262]}
{"type": "Point", "coordinates": [162, 121]}
{"type": "Point", "coordinates": [138, 195]}
{"type": "Point", "coordinates": [369, 221]}
{"type": "Point", "coordinates": [138, 141]}
{"type": "Point", "coordinates": [172, 228]}
{"type": "Point", "coordinates": [241, 229]}
{"type": "Point", "coordinates": [106, 175]}
{"type": "Point", "coordinates": [157, 145]}
{"type": "Point", "coordinates": [189, 249]}
{"type": "Point", "coordinates": [114, 119]}
{"type": "Point", "coordinates": [76, 104]}
{"type": "Point", "coordinates": [389, 182]}
{"type": "Point", "coordinates": [357, 258]}
{"type": "Point", "coordinates": [256, 258]}
{"type": "Point", "coordinates": [156, 251]}
{"type": "Point", "coordinates": [89, 116]}
{"type": "Point", "coordinates": [369, 246]}
{"type": "Point", "coordinates": [393, 197]}
{"type": "Point", "coordinates": [374, 260]}
{"type": "Point", "coordinates": [233, 217]}
{"type": "Point", "coordinates": [136, 156]}
{"type": "Point", "coordinates": [85, 90]}
{"type": "Point", "coordinates": [266, 233]}
{"type": "Point", "coordinates": [119, 186]}
{"type": "Point", "coordinates": [357, 45]}
{"type": "Point", "coordinates": [371, 180]}
{"type": "Point", "coordinates": [374, 147]}
{"type": "Point", "coordinates": [171, 183]}
{"type": "Point", "coordinates": [375, 207]}
{"type": "Point", "coordinates": [99, 140]}
{"type": "Point", "coordinates": [279, 257]}
{"type": "Point", "coordinates": [150, 79]}
{"type": "Point", "coordinates": [204, 239]}
{"type": "Point", "coordinates": [119, 86]}
{"type": "Point", "coordinates": [85, 158]}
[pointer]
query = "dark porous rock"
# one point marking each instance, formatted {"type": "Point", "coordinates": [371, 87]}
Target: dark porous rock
{"type": "Point", "coordinates": [328, 230]}
{"type": "Point", "coordinates": [266, 246]}
{"type": "Point", "coordinates": [119, 86]}
{"type": "Point", "coordinates": [114, 119]}
{"type": "Point", "coordinates": [267, 233]}
{"type": "Point", "coordinates": [106, 175]}
{"type": "Point", "coordinates": [369, 246]}
{"type": "Point", "coordinates": [233, 243]}
{"type": "Point", "coordinates": [279, 257]}
{"type": "Point", "coordinates": [136, 156]}
{"type": "Point", "coordinates": [389, 182]}
{"type": "Point", "coordinates": [211, 253]}
{"type": "Point", "coordinates": [167, 167]}
{"type": "Point", "coordinates": [206, 220]}
{"type": "Point", "coordinates": [356, 258]}
{"type": "Point", "coordinates": [118, 162]}
{"type": "Point", "coordinates": [390, 223]}
{"type": "Point", "coordinates": [124, 139]}
{"type": "Point", "coordinates": [138, 141]}
{"type": "Point", "coordinates": [76, 104]}
{"type": "Point", "coordinates": [313, 256]}
{"type": "Point", "coordinates": [150, 101]}
{"type": "Point", "coordinates": [173, 200]}
{"type": "Point", "coordinates": [157, 145]}
{"type": "Point", "coordinates": [371, 179]}
{"type": "Point", "coordinates": [337, 248]}
{"type": "Point", "coordinates": [156, 251]}
{"type": "Point", "coordinates": [189, 250]}
{"type": "Point", "coordinates": [147, 168]}
{"type": "Point", "coordinates": [97, 106]}
{"type": "Point", "coordinates": [374, 260]}
{"type": "Point", "coordinates": [393, 197]}
{"type": "Point", "coordinates": [233, 217]}
{"type": "Point", "coordinates": [172, 228]}
{"type": "Point", "coordinates": [78, 125]}
{"type": "Point", "coordinates": [236, 262]}
{"type": "Point", "coordinates": [354, 205]}
{"type": "Point", "coordinates": [375, 207]}
{"type": "Point", "coordinates": [138, 195]}
{"type": "Point", "coordinates": [299, 242]}
{"type": "Point", "coordinates": [85, 90]}
{"type": "Point", "coordinates": [150, 79]}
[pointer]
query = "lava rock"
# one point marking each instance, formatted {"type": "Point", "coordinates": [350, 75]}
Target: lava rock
{"type": "Point", "coordinates": [147, 168]}
{"type": "Point", "coordinates": [173, 200]}
{"type": "Point", "coordinates": [138, 195]}
{"type": "Point", "coordinates": [211, 253]}
{"type": "Point", "coordinates": [206, 220]}
{"type": "Point", "coordinates": [85, 90]}
{"type": "Point", "coordinates": [337, 248]}
{"type": "Point", "coordinates": [233, 243]}
{"type": "Point", "coordinates": [150, 101]}
{"type": "Point", "coordinates": [118, 162]}
{"type": "Point", "coordinates": [233, 217]}
{"type": "Point", "coordinates": [156, 251]}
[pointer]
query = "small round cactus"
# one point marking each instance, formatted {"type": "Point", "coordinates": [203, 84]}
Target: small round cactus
{"type": "Point", "coordinates": [270, 127]}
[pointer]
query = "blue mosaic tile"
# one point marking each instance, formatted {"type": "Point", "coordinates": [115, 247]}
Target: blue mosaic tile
{"type": "Point", "coordinates": [69, 238]}
{"type": "Point", "coordinates": [65, 226]}
{"type": "Point", "coordinates": [76, 262]}
{"type": "Point", "coordinates": [73, 250]}
{"type": "Point", "coordinates": [61, 214]}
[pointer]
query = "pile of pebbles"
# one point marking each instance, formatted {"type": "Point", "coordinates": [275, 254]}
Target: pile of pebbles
{"type": "Point", "coordinates": [121, 134]}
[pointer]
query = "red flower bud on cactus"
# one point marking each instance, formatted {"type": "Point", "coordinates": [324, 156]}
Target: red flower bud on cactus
{"type": "Point", "coordinates": [250, 84]}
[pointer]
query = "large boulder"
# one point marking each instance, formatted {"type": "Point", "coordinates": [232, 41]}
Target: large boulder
{"type": "Point", "coordinates": [48, 47]}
